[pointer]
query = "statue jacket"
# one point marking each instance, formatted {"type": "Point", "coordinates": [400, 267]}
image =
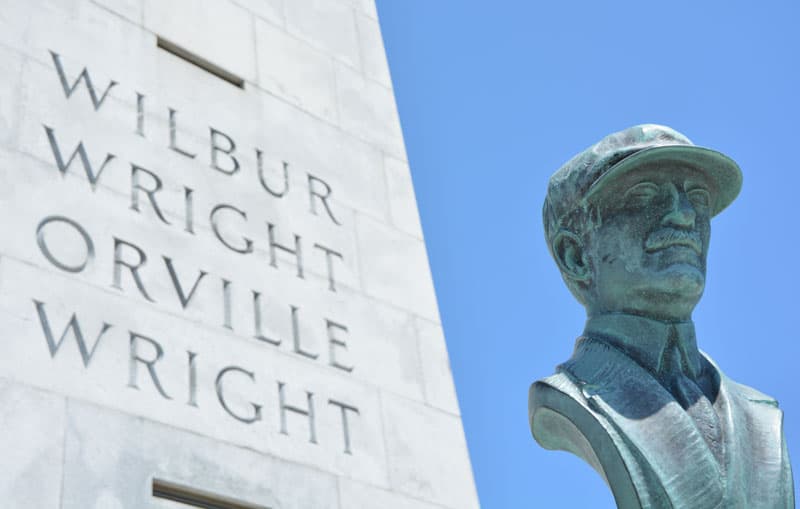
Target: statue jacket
{"type": "Point", "coordinates": [609, 405]}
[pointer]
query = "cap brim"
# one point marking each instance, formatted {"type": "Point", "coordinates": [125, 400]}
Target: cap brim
{"type": "Point", "coordinates": [721, 173]}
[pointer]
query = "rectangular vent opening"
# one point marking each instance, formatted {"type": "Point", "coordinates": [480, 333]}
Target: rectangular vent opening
{"type": "Point", "coordinates": [196, 498]}
{"type": "Point", "coordinates": [202, 63]}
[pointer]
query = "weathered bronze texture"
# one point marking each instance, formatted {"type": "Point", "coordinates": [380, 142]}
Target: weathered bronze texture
{"type": "Point", "coordinates": [628, 223]}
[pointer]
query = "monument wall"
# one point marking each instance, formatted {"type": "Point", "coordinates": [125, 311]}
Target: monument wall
{"type": "Point", "coordinates": [213, 282]}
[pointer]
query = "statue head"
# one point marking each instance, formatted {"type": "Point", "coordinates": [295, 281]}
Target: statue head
{"type": "Point", "coordinates": [628, 221]}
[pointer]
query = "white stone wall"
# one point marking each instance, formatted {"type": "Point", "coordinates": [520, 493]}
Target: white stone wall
{"type": "Point", "coordinates": [133, 350]}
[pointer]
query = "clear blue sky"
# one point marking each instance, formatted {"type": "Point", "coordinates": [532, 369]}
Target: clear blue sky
{"type": "Point", "coordinates": [495, 96]}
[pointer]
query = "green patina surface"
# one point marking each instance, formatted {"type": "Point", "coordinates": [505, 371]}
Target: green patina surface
{"type": "Point", "coordinates": [628, 223]}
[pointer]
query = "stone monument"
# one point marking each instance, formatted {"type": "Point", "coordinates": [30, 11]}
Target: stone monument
{"type": "Point", "coordinates": [628, 223]}
{"type": "Point", "coordinates": [214, 289]}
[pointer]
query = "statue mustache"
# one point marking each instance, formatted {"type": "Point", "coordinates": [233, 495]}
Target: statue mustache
{"type": "Point", "coordinates": [662, 239]}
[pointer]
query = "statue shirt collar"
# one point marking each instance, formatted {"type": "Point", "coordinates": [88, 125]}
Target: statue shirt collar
{"type": "Point", "coordinates": [649, 342]}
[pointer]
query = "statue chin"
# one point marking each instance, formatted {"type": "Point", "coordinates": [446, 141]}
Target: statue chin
{"type": "Point", "coordinates": [683, 280]}
{"type": "Point", "coordinates": [674, 294]}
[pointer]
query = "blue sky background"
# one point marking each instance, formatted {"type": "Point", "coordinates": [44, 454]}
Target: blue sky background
{"type": "Point", "coordinates": [495, 96]}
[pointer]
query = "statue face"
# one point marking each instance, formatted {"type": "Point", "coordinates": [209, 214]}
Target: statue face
{"type": "Point", "coordinates": [648, 256]}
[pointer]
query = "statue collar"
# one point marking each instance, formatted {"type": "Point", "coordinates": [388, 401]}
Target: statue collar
{"type": "Point", "coordinates": [649, 342]}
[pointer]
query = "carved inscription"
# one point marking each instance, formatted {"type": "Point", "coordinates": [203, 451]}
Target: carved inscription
{"type": "Point", "coordinates": [134, 268]}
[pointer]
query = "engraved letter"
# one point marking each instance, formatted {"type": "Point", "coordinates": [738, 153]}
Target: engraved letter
{"type": "Point", "coordinates": [334, 343]}
{"type": "Point", "coordinates": [83, 76]}
{"type": "Point", "coordinates": [312, 431]}
{"type": "Point", "coordinates": [140, 114]}
{"type": "Point", "coordinates": [257, 318]}
{"type": "Point", "coordinates": [79, 151]}
{"type": "Point", "coordinates": [182, 296]}
{"type": "Point", "coordinates": [151, 193]}
{"type": "Point", "coordinates": [151, 368]}
{"type": "Point", "coordinates": [256, 408]}
{"type": "Point", "coordinates": [248, 244]}
{"type": "Point", "coordinates": [188, 210]}
{"type": "Point", "coordinates": [134, 267]}
{"type": "Point", "coordinates": [296, 336]}
{"type": "Point", "coordinates": [173, 135]}
{"type": "Point", "coordinates": [215, 149]}
{"type": "Point", "coordinates": [345, 423]}
{"type": "Point", "coordinates": [329, 254]}
{"type": "Point", "coordinates": [312, 192]}
{"type": "Point", "coordinates": [260, 164]}
{"type": "Point", "coordinates": [297, 251]}
{"type": "Point", "coordinates": [227, 318]}
{"type": "Point", "coordinates": [53, 346]}
{"type": "Point", "coordinates": [40, 240]}
{"type": "Point", "coordinates": [192, 378]}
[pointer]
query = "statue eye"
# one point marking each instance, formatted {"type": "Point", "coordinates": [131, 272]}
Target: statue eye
{"type": "Point", "coordinates": [700, 197]}
{"type": "Point", "coordinates": [641, 194]}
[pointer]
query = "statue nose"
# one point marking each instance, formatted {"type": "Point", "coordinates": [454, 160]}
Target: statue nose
{"type": "Point", "coordinates": [681, 213]}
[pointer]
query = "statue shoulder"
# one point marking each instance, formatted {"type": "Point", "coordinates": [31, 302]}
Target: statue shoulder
{"type": "Point", "coordinates": [558, 411]}
{"type": "Point", "coordinates": [568, 393]}
{"type": "Point", "coordinates": [572, 410]}
{"type": "Point", "coordinates": [561, 418]}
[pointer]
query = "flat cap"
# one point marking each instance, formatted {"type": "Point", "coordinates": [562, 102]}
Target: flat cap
{"type": "Point", "coordinates": [582, 178]}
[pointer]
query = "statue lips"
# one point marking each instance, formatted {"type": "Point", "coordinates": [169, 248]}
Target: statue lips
{"type": "Point", "coordinates": [664, 238]}
{"type": "Point", "coordinates": [676, 247]}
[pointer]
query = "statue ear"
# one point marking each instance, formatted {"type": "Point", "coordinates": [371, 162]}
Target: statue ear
{"type": "Point", "coordinates": [571, 256]}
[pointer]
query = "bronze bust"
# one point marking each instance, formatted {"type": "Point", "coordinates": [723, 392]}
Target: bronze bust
{"type": "Point", "coordinates": [628, 224]}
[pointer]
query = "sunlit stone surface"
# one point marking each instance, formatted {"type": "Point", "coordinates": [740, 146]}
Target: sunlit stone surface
{"type": "Point", "coordinates": [212, 274]}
